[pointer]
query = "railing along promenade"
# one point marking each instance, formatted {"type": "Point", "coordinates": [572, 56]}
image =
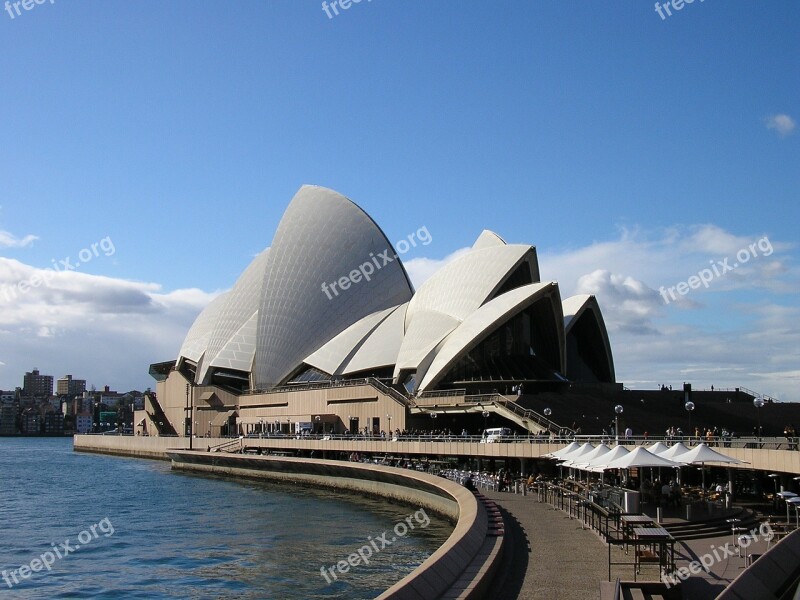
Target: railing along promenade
{"type": "Point", "coordinates": [770, 454]}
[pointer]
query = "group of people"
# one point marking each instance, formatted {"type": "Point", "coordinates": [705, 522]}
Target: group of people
{"type": "Point", "coordinates": [791, 436]}
{"type": "Point", "coordinates": [661, 494]}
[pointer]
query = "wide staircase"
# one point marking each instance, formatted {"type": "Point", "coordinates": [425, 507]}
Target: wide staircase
{"type": "Point", "coordinates": [158, 417]}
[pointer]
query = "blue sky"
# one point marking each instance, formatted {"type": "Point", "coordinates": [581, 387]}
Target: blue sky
{"type": "Point", "coordinates": [630, 149]}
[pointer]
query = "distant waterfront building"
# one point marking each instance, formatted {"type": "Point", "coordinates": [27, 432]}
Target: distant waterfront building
{"type": "Point", "coordinates": [8, 419]}
{"type": "Point", "coordinates": [67, 386]}
{"type": "Point", "coordinates": [54, 423]}
{"type": "Point", "coordinates": [37, 385]}
{"type": "Point", "coordinates": [31, 422]}
{"type": "Point", "coordinates": [83, 422]}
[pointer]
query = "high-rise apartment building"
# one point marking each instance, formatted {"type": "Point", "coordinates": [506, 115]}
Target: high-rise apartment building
{"type": "Point", "coordinates": [35, 384]}
{"type": "Point", "coordinates": [67, 386]}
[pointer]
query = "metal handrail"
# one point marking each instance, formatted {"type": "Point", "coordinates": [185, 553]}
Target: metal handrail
{"type": "Point", "coordinates": [443, 393]}
{"type": "Point", "coordinates": [525, 413]}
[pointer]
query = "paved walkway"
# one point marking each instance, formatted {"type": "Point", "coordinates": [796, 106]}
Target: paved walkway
{"type": "Point", "coordinates": [554, 558]}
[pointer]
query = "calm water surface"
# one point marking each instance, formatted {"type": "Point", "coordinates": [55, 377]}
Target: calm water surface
{"type": "Point", "coordinates": [186, 536]}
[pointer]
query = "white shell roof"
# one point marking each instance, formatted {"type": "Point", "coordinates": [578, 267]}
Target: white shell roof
{"type": "Point", "coordinates": [426, 331]}
{"type": "Point", "coordinates": [196, 341]}
{"type": "Point", "coordinates": [382, 346]}
{"type": "Point", "coordinates": [322, 239]}
{"type": "Point", "coordinates": [480, 323]}
{"type": "Point", "coordinates": [488, 238]}
{"type": "Point", "coordinates": [574, 307]}
{"type": "Point", "coordinates": [241, 303]}
{"type": "Point", "coordinates": [332, 356]}
{"type": "Point", "coordinates": [456, 291]}
{"type": "Point", "coordinates": [464, 284]}
{"type": "Point", "coordinates": [239, 351]}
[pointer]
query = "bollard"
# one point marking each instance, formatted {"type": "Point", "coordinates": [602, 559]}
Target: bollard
{"type": "Point", "coordinates": [688, 512]}
{"type": "Point", "coordinates": [516, 487]}
{"type": "Point", "coordinates": [658, 515]}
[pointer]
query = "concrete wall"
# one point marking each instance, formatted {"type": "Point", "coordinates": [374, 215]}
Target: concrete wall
{"type": "Point", "coordinates": [127, 445]}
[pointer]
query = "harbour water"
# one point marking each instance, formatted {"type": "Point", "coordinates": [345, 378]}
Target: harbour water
{"type": "Point", "coordinates": [136, 529]}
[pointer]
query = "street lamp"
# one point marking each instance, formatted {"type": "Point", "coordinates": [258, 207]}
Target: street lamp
{"type": "Point", "coordinates": [689, 406]}
{"type": "Point", "coordinates": [188, 417]}
{"type": "Point", "coordinates": [775, 477]}
{"type": "Point", "coordinates": [318, 419]}
{"type": "Point", "coordinates": [758, 403]}
{"type": "Point", "coordinates": [388, 416]}
{"type": "Point", "coordinates": [618, 410]}
{"type": "Point", "coordinates": [485, 414]}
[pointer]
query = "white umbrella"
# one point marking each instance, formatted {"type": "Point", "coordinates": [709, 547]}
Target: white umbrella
{"type": "Point", "coordinates": [701, 454]}
{"type": "Point", "coordinates": [640, 458]}
{"type": "Point", "coordinates": [565, 450]}
{"type": "Point", "coordinates": [580, 462]}
{"type": "Point", "coordinates": [597, 465]}
{"type": "Point", "coordinates": [584, 449]}
{"type": "Point", "coordinates": [658, 448]}
{"type": "Point", "coordinates": [674, 451]}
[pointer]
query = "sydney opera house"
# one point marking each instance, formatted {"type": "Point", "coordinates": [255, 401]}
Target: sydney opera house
{"type": "Point", "coordinates": [324, 332]}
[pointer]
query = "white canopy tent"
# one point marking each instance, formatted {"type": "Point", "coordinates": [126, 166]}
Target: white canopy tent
{"type": "Point", "coordinates": [674, 451]}
{"type": "Point", "coordinates": [565, 450]}
{"type": "Point", "coordinates": [597, 465]}
{"type": "Point", "coordinates": [577, 452]}
{"type": "Point", "coordinates": [580, 462]}
{"type": "Point", "coordinates": [657, 448]}
{"type": "Point", "coordinates": [702, 454]}
{"type": "Point", "coordinates": [640, 457]}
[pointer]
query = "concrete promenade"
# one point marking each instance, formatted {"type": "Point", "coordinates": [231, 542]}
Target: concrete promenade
{"type": "Point", "coordinates": [555, 559]}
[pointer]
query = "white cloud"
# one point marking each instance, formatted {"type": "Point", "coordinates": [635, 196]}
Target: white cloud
{"type": "Point", "coordinates": [9, 240]}
{"type": "Point", "coordinates": [783, 124]}
{"type": "Point", "coordinates": [101, 329]}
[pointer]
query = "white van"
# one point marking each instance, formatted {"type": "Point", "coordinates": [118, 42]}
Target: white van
{"type": "Point", "coordinates": [496, 434]}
